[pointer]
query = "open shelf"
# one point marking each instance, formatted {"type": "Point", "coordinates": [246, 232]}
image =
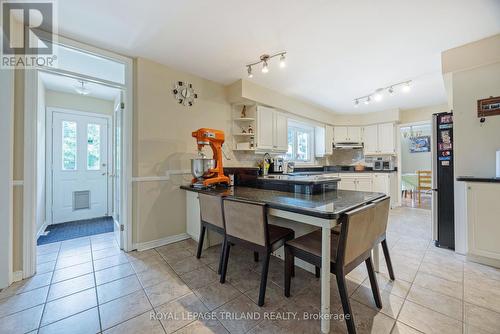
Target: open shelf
{"type": "Point", "coordinates": [244, 119]}
{"type": "Point", "coordinates": [244, 134]}
{"type": "Point", "coordinates": [244, 149]}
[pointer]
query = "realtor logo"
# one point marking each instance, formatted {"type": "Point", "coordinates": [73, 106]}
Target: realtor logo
{"type": "Point", "coordinates": [27, 34]}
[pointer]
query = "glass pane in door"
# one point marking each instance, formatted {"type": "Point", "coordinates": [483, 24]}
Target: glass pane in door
{"type": "Point", "coordinates": [68, 145]}
{"type": "Point", "coordinates": [93, 146]}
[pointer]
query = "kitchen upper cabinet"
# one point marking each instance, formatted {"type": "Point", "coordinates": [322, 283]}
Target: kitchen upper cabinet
{"type": "Point", "coordinates": [323, 140]}
{"type": "Point", "coordinates": [272, 130]}
{"type": "Point", "coordinates": [347, 134]}
{"type": "Point", "coordinates": [379, 139]}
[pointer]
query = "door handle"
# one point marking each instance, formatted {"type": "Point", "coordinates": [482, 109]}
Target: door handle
{"type": "Point", "coordinates": [103, 173]}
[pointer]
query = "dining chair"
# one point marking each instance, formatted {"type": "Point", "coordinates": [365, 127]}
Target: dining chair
{"type": "Point", "coordinates": [424, 182]}
{"type": "Point", "coordinates": [358, 234]}
{"type": "Point", "coordinates": [247, 225]}
{"type": "Point", "coordinates": [382, 206]}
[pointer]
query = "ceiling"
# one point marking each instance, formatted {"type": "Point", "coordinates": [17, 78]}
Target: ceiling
{"type": "Point", "coordinates": [64, 84]}
{"type": "Point", "coordinates": [337, 50]}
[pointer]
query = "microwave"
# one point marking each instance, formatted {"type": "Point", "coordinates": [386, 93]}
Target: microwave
{"type": "Point", "coordinates": [381, 164]}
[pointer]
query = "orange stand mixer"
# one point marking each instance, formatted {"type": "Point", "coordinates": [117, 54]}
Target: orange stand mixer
{"type": "Point", "coordinates": [208, 171]}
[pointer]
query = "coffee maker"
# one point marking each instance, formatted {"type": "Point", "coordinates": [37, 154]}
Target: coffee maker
{"type": "Point", "coordinates": [278, 165]}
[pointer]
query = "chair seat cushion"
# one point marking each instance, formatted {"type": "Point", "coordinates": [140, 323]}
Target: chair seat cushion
{"type": "Point", "coordinates": [311, 243]}
{"type": "Point", "coordinates": [277, 233]}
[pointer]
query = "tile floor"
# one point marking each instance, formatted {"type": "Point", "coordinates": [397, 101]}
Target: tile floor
{"type": "Point", "coordinates": [88, 285]}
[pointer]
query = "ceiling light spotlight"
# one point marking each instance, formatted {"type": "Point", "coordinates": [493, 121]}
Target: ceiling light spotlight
{"type": "Point", "coordinates": [356, 103]}
{"type": "Point", "coordinates": [406, 87]}
{"type": "Point", "coordinates": [391, 91]}
{"type": "Point", "coordinates": [368, 100]}
{"type": "Point", "coordinates": [265, 68]}
{"type": "Point", "coordinates": [249, 70]}
{"type": "Point", "coordinates": [282, 61]}
{"type": "Point", "coordinates": [377, 96]}
{"type": "Point", "coordinates": [81, 89]}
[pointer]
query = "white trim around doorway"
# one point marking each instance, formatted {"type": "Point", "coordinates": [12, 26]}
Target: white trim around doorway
{"type": "Point", "coordinates": [30, 142]}
{"type": "Point", "coordinates": [48, 158]}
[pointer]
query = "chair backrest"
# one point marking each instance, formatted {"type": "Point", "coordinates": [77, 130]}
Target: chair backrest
{"type": "Point", "coordinates": [357, 235]}
{"type": "Point", "coordinates": [424, 179]}
{"type": "Point", "coordinates": [382, 206]}
{"type": "Point", "coordinates": [246, 220]}
{"type": "Point", "coordinates": [211, 209]}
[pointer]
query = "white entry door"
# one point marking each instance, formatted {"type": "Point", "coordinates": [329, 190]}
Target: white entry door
{"type": "Point", "coordinates": [79, 167]}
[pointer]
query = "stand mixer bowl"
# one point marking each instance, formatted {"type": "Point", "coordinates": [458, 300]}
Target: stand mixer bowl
{"type": "Point", "coordinates": [200, 167]}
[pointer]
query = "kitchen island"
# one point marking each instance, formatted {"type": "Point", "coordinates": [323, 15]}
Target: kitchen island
{"type": "Point", "coordinates": [319, 210]}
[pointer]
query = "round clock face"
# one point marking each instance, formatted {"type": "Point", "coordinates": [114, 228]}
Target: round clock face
{"type": "Point", "coordinates": [184, 93]}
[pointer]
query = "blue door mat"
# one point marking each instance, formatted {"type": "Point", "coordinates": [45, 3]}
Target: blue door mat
{"type": "Point", "coordinates": [76, 229]}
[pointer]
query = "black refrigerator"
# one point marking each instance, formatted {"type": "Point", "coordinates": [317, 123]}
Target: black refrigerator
{"type": "Point", "coordinates": [443, 211]}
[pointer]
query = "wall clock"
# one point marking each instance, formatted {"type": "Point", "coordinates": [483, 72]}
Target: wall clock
{"type": "Point", "coordinates": [184, 93]}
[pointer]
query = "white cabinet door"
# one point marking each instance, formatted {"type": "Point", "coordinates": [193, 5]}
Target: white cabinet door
{"type": "Point", "coordinates": [364, 184]}
{"type": "Point", "coordinates": [371, 139]}
{"type": "Point", "coordinates": [347, 183]}
{"type": "Point", "coordinates": [265, 128]}
{"type": "Point", "coordinates": [329, 140]}
{"type": "Point", "coordinates": [319, 141]}
{"type": "Point", "coordinates": [381, 183]}
{"type": "Point", "coordinates": [354, 134]}
{"type": "Point", "coordinates": [386, 142]}
{"type": "Point", "coordinates": [482, 220]}
{"type": "Point", "coordinates": [281, 132]}
{"type": "Point", "coordinates": [340, 134]}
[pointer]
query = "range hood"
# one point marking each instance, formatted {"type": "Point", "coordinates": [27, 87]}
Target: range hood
{"type": "Point", "coordinates": [347, 145]}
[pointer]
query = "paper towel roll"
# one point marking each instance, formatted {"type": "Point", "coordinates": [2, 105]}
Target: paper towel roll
{"type": "Point", "coordinates": [498, 163]}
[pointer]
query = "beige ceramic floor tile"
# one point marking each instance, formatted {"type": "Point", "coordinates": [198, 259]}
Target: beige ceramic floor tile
{"type": "Point", "coordinates": [81, 323]}
{"type": "Point", "coordinates": [216, 294]}
{"type": "Point", "coordinates": [113, 273]}
{"type": "Point", "coordinates": [72, 272]}
{"type": "Point", "coordinates": [167, 291]}
{"type": "Point", "coordinates": [438, 302]}
{"type": "Point", "coordinates": [156, 275]}
{"type": "Point", "coordinates": [483, 292]}
{"type": "Point", "coordinates": [106, 252]}
{"type": "Point", "coordinates": [240, 315]}
{"type": "Point", "coordinates": [140, 324]}
{"type": "Point", "coordinates": [46, 267]}
{"type": "Point", "coordinates": [35, 282]}
{"type": "Point", "coordinates": [71, 286]}
{"type": "Point", "coordinates": [482, 318]}
{"type": "Point", "coordinates": [151, 262]}
{"type": "Point", "coordinates": [73, 260]}
{"type": "Point", "coordinates": [22, 322]}
{"type": "Point", "coordinates": [200, 277]}
{"type": "Point", "coordinates": [203, 327]}
{"type": "Point", "coordinates": [180, 312]}
{"type": "Point", "coordinates": [118, 288]}
{"type": "Point", "coordinates": [400, 328]}
{"type": "Point", "coordinates": [427, 320]}
{"type": "Point", "coordinates": [173, 255]}
{"type": "Point", "coordinates": [67, 306]}
{"type": "Point", "coordinates": [186, 265]}
{"type": "Point", "coordinates": [437, 284]}
{"type": "Point", "coordinates": [123, 309]}
{"type": "Point", "coordinates": [397, 287]}
{"type": "Point", "coordinates": [391, 304]}
{"type": "Point", "coordinates": [23, 301]}
{"type": "Point", "coordinates": [110, 262]}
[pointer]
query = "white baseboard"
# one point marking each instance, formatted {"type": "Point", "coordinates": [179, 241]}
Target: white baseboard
{"type": "Point", "coordinates": [17, 276]}
{"type": "Point", "coordinates": [41, 229]}
{"type": "Point", "coordinates": [161, 242]}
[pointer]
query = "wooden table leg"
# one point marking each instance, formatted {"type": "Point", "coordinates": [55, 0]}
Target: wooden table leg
{"type": "Point", "coordinates": [325, 278]}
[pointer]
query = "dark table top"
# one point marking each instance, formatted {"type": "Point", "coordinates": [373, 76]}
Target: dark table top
{"type": "Point", "coordinates": [478, 179]}
{"type": "Point", "coordinates": [327, 205]}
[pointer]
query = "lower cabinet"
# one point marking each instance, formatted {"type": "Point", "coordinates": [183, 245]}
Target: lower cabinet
{"type": "Point", "coordinates": [377, 182]}
{"type": "Point", "coordinates": [483, 228]}
{"type": "Point", "coordinates": [358, 182]}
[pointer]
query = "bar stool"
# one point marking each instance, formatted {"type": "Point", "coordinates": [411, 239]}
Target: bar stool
{"type": "Point", "coordinates": [358, 235]}
{"type": "Point", "coordinates": [246, 225]}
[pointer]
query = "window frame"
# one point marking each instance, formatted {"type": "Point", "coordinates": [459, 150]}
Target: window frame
{"type": "Point", "coordinates": [298, 126]}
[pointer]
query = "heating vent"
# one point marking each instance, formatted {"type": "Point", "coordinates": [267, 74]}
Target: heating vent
{"type": "Point", "coordinates": [81, 200]}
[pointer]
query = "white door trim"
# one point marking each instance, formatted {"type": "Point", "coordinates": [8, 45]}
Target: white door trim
{"type": "Point", "coordinates": [48, 158]}
{"type": "Point", "coordinates": [6, 176]}
{"type": "Point", "coordinates": [30, 141]}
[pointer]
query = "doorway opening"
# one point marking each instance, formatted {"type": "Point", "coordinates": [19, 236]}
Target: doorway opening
{"type": "Point", "coordinates": [80, 157]}
{"type": "Point", "coordinates": [416, 165]}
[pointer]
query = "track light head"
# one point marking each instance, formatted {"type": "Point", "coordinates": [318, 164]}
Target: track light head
{"type": "Point", "coordinates": [265, 67]}
{"type": "Point", "coordinates": [356, 103]}
{"type": "Point", "coordinates": [406, 87]}
{"type": "Point", "coordinates": [282, 61]}
{"type": "Point", "coordinates": [249, 71]}
{"type": "Point", "coordinates": [368, 100]}
{"type": "Point", "coordinates": [377, 96]}
{"type": "Point", "coordinates": [391, 91]}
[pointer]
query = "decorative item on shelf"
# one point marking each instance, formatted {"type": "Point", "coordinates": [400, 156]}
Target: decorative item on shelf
{"type": "Point", "coordinates": [244, 112]}
{"type": "Point", "coordinates": [488, 107]}
{"type": "Point", "coordinates": [184, 93]}
{"type": "Point", "coordinates": [252, 145]}
{"type": "Point", "coordinates": [243, 130]}
{"type": "Point", "coordinates": [378, 94]}
{"type": "Point", "coordinates": [264, 59]}
{"type": "Point", "coordinates": [250, 129]}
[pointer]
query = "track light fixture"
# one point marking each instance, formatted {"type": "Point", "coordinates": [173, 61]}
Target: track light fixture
{"type": "Point", "coordinates": [378, 95]}
{"type": "Point", "coordinates": [264, 59]}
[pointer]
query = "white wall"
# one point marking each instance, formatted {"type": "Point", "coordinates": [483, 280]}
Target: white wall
{"type": "Point", "coordinates": [411, 162]}
{"type": "Point", "coordinates": [79, 102]}
{"type": "Point", "coordinates": [6, 175]}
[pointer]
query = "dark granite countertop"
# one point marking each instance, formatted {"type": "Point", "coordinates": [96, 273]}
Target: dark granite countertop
{"type": "Point", "coordinates": [301, 179]}
{"type": "Point", "coordinates": [327, 205]}
{"type": "Point", "coordinates": [479, 179]}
